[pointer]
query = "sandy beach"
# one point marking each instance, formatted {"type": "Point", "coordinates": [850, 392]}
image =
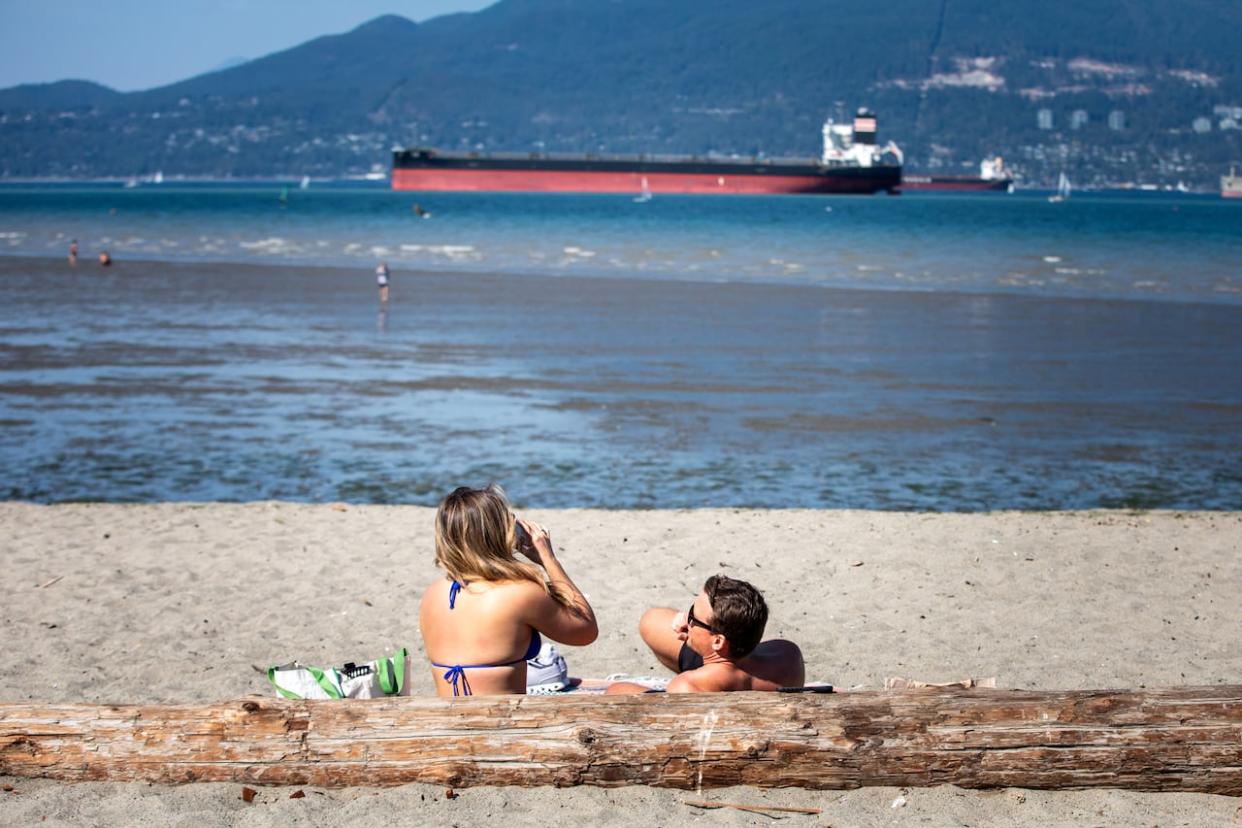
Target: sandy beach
{"type": "Point", "coordinates": [181, 602]}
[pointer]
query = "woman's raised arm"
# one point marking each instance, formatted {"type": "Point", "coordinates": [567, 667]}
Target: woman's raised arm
{"type": "Point", "coordinates": [572, 622]}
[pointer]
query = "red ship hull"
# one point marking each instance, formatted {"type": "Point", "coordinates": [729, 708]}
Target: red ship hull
{"type": "Point", "coordinates": [590, 181]}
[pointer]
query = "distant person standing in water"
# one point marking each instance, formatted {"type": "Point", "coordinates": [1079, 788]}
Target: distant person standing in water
{"type": "Point", "coordinates": [73, 252]}
{"type": "Point", "coordinates": [104, 259]}
{"type": "Point", "coordinates": [381, 278]}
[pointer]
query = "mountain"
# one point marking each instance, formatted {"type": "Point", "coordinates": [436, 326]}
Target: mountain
{"type": "Point", "coordinates": [66, 94]}
{"type": "Point", "coordinates": [952, 80]}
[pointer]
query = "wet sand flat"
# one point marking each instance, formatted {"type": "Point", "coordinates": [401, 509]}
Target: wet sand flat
{"type": "Point", "coordinates": [177, 602]}
{"type": "Point", "coordinates": [154, 381]}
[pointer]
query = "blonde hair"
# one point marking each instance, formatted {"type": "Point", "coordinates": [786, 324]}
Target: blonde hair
{"type": "Point", "coordinates": [476, 537]}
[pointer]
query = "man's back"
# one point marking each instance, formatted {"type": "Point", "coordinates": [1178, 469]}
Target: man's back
{"type": "Point", "coordinates": [773, 665]}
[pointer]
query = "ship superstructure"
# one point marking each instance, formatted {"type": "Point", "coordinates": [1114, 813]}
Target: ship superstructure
{"type": "Point", "coordinates": [1231, 185]}
{"type": "Point", "coordinates": [854, 144]}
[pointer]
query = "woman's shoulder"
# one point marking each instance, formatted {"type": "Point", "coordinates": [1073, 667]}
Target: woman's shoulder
{"type": "Point", "coordinates": [435, 592]}
{"type": "Point", "coordinates": [437, 586]}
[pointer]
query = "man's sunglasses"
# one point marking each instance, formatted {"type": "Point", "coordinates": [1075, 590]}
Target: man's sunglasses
{"type": "Point", "coordinates": [694, 622]}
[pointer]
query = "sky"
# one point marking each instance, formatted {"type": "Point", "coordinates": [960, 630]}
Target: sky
{"type": "Point", "coordinates": [139, 44]}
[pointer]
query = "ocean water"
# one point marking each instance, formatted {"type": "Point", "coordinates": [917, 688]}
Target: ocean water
{"type": "Point", "coordinates": [920, 352]}
{"type": "Point", "coordinates": [1148, 246]}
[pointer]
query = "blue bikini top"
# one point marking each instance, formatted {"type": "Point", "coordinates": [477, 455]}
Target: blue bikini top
{"type": "Point", "coordinates": [456, 673]}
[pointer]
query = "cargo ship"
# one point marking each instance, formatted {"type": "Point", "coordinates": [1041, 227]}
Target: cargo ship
{"type": "Point", "coordinates": [1231, 185]}
{"type": "Point", "coordinates": [851, 163]}
{"type": "Point", "coordinates": [992, 176]}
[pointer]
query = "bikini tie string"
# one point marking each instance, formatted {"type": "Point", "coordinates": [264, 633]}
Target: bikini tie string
{"type": "Point", "coordinates": [453, 590]}
{"type": "Point", "coordinates": [456, 674]}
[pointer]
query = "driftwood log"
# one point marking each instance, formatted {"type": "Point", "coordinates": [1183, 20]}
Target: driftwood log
{"type": "Point", "coordinates": [1184, 739]}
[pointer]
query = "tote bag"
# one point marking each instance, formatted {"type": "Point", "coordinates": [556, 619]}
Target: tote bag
{"type": "Point", "coordinates": [372, 680]}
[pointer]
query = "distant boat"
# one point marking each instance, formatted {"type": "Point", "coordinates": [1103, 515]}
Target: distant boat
{"type": "Point", "coordinates": [131, 183]}
{"type": "Point", "coordinates": [1063, 190]}
{"type": "Point", "coordinates": [1231, 185]}
{"type": "Point", "coordinates": [305, 185]}
{"type": "Point", "coordinates": [992, 177]}
{"type": "Point", "coordinates": [645, 195]}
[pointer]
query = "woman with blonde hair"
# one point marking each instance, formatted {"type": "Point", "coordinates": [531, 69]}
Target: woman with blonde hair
{"type": "Point", "coordinates": [484, 619]}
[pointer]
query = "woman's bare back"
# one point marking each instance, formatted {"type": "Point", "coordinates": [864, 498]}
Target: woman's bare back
{"type": "Point", "coordinates": [484, 630]}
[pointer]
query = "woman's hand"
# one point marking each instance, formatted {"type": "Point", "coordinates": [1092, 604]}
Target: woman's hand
{"type": "Point", "coordinates": [537, 543]}
{"type": "Point", "coordinates": [565, 616]}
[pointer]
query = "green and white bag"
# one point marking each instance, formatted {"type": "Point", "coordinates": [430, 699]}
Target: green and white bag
{"type": "Point", "coordinates": [373, 680]}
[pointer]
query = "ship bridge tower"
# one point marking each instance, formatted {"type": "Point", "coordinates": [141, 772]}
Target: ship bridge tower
{"type": "Point", "coordinates": [854, 145]}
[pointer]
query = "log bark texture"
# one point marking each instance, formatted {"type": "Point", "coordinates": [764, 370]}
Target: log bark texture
{"type": "Point", "coordinates": [1184, 739]}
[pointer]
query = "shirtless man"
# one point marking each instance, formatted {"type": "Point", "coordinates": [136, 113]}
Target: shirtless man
{"type": "Point", "coordinates": [715, 645]}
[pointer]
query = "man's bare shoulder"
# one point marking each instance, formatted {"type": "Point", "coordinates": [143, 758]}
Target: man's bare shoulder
{"type": "Point", "coordinates": [710, 678]}
{"type": "Point", "coordinates": [686, 682]}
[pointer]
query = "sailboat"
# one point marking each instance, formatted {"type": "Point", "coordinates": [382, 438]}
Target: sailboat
{"type": "Point", "coordinates": [305, 185]}
{"type": "Point", "coordinates": [1063, 190]}
{"type": "Point", "coordinates": [645, 195]}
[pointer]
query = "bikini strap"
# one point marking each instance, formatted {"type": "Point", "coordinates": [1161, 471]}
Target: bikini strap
{"type": "Point", "coordinates": [453, 590]}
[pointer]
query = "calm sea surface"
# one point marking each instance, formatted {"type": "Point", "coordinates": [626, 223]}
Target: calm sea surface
{"type": "Point", "coordinates": [1142, 247]}
{"type": "Point", "coordinates": [926, 352]}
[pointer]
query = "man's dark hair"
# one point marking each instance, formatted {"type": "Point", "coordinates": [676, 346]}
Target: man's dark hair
{"type": "Point", "coordinates": [739, 613]}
